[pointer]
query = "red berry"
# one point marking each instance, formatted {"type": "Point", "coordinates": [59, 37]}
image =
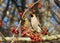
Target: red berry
{"type": "Point", "coordinates": [44, 32]}
{"type": "Point", "coordinates": [1, 23]}
{"type": "Point", "coordinates": [31, 36]}
{"type": "Point", "coordinates": [35, 35]}
{"type": "Point", "coordinates": [15, 31]}
{"type": "Point", "coordinates": [24, 28]}
{"type": "Point", "coordinates": [24, 33]}
{"type": "Point", "coordinates": [31, 5]}
{"type": "Point", "coordinates": [33, 11]}
{"type": "Point", "coordinates": [21, 14]}
{"type": "Point", "coordinates": [39, 5]}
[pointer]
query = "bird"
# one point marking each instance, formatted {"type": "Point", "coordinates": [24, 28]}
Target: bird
{"type": "Point", "coordinates": [27, 22]}
{"type": "Point", "coordinates": [35, 23]}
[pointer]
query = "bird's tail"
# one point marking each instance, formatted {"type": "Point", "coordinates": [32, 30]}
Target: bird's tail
{"type": "Point", "coordinates": [39, 30]}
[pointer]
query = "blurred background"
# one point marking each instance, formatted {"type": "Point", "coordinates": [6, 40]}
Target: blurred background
{"type": "Point", "coordinates": [10, 15]}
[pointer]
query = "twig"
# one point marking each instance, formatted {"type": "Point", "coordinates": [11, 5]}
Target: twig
{"type": "Point", "coordinates": [52, 37]}
{"type": "Point", "coordinates": [3, 36]}
{"type": "Point", "coordinates": [13, 38]}
{"type": "Point", "coordinates": [29, 7]}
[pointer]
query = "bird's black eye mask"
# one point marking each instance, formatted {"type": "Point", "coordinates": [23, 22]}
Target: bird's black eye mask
{"type": "Point", "coordinates": [31, 15]}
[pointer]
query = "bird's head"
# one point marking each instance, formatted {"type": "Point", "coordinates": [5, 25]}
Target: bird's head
{"type": "Point", "coordinates": [32, 15]}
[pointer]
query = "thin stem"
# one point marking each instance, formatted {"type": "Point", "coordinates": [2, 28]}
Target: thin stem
{"type": "Point", "coordinates": [3, 36]}
{"type": "Point", "coordinates": [13, 38]}
{"type": "Point", "coordinates": [29, 7]}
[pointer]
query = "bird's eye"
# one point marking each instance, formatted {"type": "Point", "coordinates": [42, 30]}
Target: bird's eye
{"type": "Point", "coordinates": [31, 15]}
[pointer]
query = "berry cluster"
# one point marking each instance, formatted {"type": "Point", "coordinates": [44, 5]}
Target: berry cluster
{"type": "Point", "coordinates": [35, 37]}
{"type": "Point", "coordinates": [39, 5]}
{"type": "Point", "coordinates": [31, 6]}
{"type": "Point", "coordinates": [24, 28]}
{"type": "Point", "coordinates": [25, 31]}
{"type": "Point", "coordinates": [15, 30]}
